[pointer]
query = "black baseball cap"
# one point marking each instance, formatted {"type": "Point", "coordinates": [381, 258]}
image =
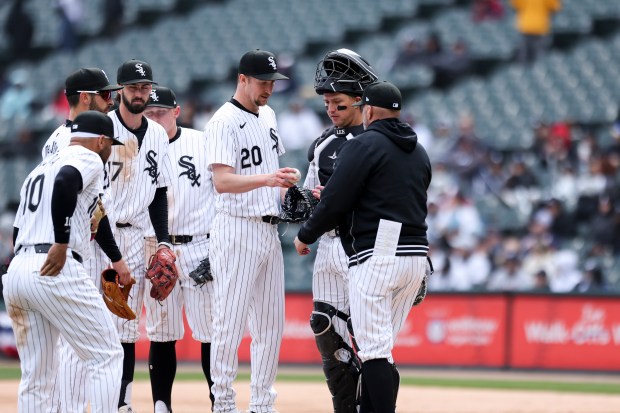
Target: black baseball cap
{"type": "Point", "coordinates": [134, 71]}
{"type": "Point", "coordinates": [383, 95]}
{"type": "Point", "coordinates": [162, 97]}
{"type": "Point", "coordinates": [260, 64]}
{"type": "Point", "coordinates": [88, 79]}
{"type": "Point", "coordinates": [92, 124]}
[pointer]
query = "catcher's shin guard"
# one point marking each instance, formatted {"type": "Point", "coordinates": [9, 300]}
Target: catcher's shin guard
{"type": "Point", "coordinates": [340, 364]}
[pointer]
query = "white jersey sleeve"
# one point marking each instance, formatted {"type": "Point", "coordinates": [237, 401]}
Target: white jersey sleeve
{"type": "Point", "coordinates": [250, 144]}
{"type": "Point", "coordinates": [34, 216]}
{"type": "Point", "coordinates": [59, 139]}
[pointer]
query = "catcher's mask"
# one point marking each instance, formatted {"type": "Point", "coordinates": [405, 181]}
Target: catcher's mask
{"type": "Point", "coordinates": [343, 71]}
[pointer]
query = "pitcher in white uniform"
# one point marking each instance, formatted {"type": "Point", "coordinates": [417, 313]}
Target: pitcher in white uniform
{"type": "Point", "coordinates": [243, 147]}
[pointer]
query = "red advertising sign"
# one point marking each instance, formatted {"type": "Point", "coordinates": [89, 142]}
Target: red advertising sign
{"type": "Point", "coordinates": [566, 332]}
{"type": "Point", "coordinates": [454, 330]}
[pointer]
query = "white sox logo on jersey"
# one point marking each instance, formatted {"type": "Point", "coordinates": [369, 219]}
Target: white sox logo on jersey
{"type": "Point", "coordinates": [184, 162]}
{"type": "Point", "coordinates": [140, 69]}
{"type": "Point", "coordinates": [152, 169]}
{"type": "Point", "coordinates": [274, 138]}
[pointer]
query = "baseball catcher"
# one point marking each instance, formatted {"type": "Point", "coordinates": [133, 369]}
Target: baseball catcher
{"type": "Point", "coordinates": [297, 205]}
{"type": "Point", "coordinates": [162, 273]}
{"type": "Point", "coordinates": [115, 295]}
{"type": "Point", "coordinates": [202, 273]}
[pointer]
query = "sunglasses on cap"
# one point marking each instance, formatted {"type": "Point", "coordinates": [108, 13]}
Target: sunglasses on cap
{"type": "Point", "coordinates": [105, 94]}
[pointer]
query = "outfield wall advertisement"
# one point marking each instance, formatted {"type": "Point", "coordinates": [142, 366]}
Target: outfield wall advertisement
{"type": "Point", "coordinates": [471, 330]}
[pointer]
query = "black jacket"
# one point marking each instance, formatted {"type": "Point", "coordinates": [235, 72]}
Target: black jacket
{"type": "Point", "coordinates": [382, 173]}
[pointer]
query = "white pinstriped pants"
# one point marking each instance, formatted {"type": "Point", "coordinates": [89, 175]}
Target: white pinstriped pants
{"type": "Point", "coordinates": [330, 280]}
{"type": "Point", "coordinates": [248, 277]}
{"type": "Point", "coordinates": [381, 291]}
{"type": "Point", "coordinates": [42, 308]}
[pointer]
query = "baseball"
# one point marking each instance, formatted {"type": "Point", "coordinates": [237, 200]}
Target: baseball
{"type": "Point", "coordinates": [296, 176]}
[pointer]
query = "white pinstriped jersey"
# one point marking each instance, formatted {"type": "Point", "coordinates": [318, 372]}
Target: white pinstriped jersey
{"type": "Point", "coordinates": [251, 145]}
{"type": "Point", "coordinates": [59, 139]}
{"type": "Point", "coordinates": [191, 196]}
{"type": "Point", "coordinates": [34, 217]}
{"type": "Point", "coordinates": [134, 173]}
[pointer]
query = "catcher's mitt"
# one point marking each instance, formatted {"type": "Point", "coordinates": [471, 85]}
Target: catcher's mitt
{"type": "Point", "coordinates": [115, 295]}
{"type": "Point", "coordinates": [162, 273]}
{"type": "Point", "coordinates": [96, 218]}
{"type": "Point", "coordinates": [202, 273]}
{"type": "Point", "coordinates": [298, 205]}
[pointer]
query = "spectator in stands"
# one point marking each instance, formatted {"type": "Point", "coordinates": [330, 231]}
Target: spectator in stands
{"type": "Point", "coordinates": [510, 277]}
{"type": "Point", "coordinates": [452, 64]}
{"type": "Point", "coordinates": [433, 50]}
{"type": "Point", "coordinates": [592, 281]}
{"type": "Point", "coordinates": [16, 101]}
{"type": "Point", "coordinates": [299, 126]}
{"type": "Point", "coordinates": [534, 24]}
{"type": "Point", "coordinates": [468, 154]}
{"type": "Point", "coordinates": [410, 52]}
{"type": "Point", "coordinates": [113, 13]}
{"type": "Point", "coordinates": [19, 29]}
{"type": "Point", "coordinates": [286, 66]}
{"type": "Point", "coordinates": [459, 221]}
{"type": "Point", "coordinates": [520, 176]}
{"type": "Point", "coordinates": [604, 226]}
{"type": "Point", "coordinates": [71, 13]}
{"type": "Point", "coordinates": [444, 139]}
{"type": "Point", "coordinates": [540, 257]}
{"type": "Point", "coordinates": [486, 10]}
{"type": "Point", "coordinates": [541, 282]}
{"type": "Point", "coordinates": [565, 274]}
{"type": "Point", "coordinates": [492, 177]}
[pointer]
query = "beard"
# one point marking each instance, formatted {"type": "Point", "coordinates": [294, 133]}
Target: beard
{"type": "Point", "coordinates": [136, 108]}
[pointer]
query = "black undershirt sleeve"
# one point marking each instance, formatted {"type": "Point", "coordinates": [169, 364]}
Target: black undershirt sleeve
{"type": "Point", "coordinates": [105, 239]}
{"type": "Point", "coordinates": [158, 212]}
{"type": "Point", "coordinates": [15, 232]}
{"type": "Point", "coordinates": [67, 184]}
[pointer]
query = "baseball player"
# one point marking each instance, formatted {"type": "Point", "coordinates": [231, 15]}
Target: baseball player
{"type": "Point", "coordinates": [47, 291]}
{"type": "Point", "coordinates": [191, 210]}
{"type": "Point", "coordinates": [341, 77]}
{"type": "Point", "coordinates": [138, 174]}
{"type": "Point", "coordinates": [87, 88]}
{"type": "Point", "coordinates": [377, 196]}
{"type": "Point", "coordinates": [243, 147]}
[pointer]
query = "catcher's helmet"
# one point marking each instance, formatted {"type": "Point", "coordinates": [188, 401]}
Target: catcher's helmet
{"type": "Point", "coordinates": [343, 71]}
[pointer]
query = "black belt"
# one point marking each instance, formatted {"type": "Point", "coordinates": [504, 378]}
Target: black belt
{"type": "Point", "coordinates": [181, 239]}
{"type": "Point", "coordinates": [45, 248]}
{"type": "Point", "coordinates": [120, 225]}
{"type": "Point", "coordinates": [270, 219]}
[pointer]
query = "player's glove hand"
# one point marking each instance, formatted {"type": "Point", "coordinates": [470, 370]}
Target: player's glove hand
{"type": "Point", "coordinates": [423, 287]}
{"type": "Point", "coordinates": [162, 273]}
{"type": "Point", "coordinates": [96, 218]}
{"type": "Point", "coordinates": [115, 295]}
{"type": "Point", "coordinates": [202, 273]}
{"type": "Point", "coordinates": [298, 204]}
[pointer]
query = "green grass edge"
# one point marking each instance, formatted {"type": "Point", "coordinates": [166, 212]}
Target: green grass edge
{"type": "Point", "coordinates": [13, 373]}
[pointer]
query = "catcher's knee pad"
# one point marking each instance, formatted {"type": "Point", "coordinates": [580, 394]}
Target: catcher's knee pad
{"type": "Point", "coordinates": [340, 364]}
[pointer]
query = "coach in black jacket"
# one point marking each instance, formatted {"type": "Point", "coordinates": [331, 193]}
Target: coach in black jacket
{"type": "Point", "coordinates": [377, 199]}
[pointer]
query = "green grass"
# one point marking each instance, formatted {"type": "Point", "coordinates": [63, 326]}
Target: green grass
{"type": "Point", "coordinates": [13, 373]}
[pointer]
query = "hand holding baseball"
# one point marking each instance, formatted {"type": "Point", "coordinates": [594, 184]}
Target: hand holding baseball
{"type": "Point", "coordinates": [294, 176]}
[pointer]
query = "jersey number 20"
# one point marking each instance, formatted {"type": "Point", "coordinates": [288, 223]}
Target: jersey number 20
{"type": "Point", "coordinates": [251, 157]}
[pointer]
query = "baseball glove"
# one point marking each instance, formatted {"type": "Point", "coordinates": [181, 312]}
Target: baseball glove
{"type": "Point", "coordinates": [115, 296]}
{"type": "Point", "coordinates": [298, 205]}
{"type": "Point", "coordinates": [202, 273]}
{"type": "Point", "coordinates": [96, 218]}
{"type": "Point", "coordinates": [162, 273]}
{"type": "Point", "coordinates": [423, 287]}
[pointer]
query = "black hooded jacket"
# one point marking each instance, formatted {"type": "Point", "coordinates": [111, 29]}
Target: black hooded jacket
{"type": "Point", "coordinates": [382, 173]}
